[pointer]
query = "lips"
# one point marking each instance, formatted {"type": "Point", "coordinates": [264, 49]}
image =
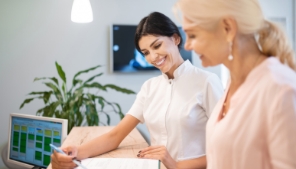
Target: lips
{"type": "Point", "coordinates": [160, 62]}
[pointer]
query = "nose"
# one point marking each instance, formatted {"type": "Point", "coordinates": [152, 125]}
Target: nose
{"type": "Point", "coordinates": [154, 55]}
{"type": "Point", "coordinates": [187, 45]}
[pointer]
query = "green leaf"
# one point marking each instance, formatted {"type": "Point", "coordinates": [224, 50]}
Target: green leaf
{"type": "Point", "coordinates": [52, 78]}
{"type": "Point", "coordinates": [91, 113]}
{"type": "Point", "coordinates": [85, 71]}
{"type": "Point", "coordinates": [108, 118]}
{"type": "Point", "coordinates": [56, 90]}
{"type": "Point", "coordinates": [119, 111]}
{"type": "Point", "coordinates": [46, 96]}
{"type": "Point", "coordinates": [75, 81]}
{"type": "Point", "coordinates": [57, 114]}
{"type": "Point", "coordinates": [36, 93]}
{"type": "Point", "coordinates": [49, 110]}
{"type": "Point", "coordinates": [94, 85]}
{"type": "Point", "coordinates": [64, 88]}
{"type": "Point", "coordinates": [64, 91]}
{"type": "Point", "coordinates": [119, 89]}
{"type": "Point", "coordinates": [38, 113]}
{"type": "Point", "coordinates": [26, 102]}
{"type": "Point", "coordinates": [61, 72]}
{"type": "Point", "coordinates": [101, 102]}
{"type": "Point", "coordinates": [79, 118]}
{"type": "Point", "coordinates": [92, 78]}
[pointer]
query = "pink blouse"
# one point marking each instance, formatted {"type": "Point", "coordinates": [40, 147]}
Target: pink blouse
{"type": "Point", "coordinates": [259, 129]}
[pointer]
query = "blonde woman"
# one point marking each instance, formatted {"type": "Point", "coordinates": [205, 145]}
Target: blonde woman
{"type": "Point", "coordinates": [253, 126]}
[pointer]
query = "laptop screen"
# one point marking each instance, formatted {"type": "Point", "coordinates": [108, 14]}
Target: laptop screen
{"type": "Point", "coordinates": [30, 139]}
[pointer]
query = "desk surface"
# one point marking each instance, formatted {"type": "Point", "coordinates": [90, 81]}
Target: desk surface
{"type": "Point", "coordinates": [128, 148]}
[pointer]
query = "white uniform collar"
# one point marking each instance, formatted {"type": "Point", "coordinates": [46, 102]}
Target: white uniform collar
{"type": "Point", "coordinates": [180, 70]}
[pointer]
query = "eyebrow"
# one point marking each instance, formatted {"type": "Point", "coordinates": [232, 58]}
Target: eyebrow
{"type": "Point", "coordinates": [187, 30]}
{"type": "Point", "coordinates": [150, 45]}
{"type": "Point", "coordinates": [153, 43]}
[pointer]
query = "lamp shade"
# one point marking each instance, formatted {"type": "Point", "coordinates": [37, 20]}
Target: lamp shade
{"type": "Point", "coordinates": [81, 11]}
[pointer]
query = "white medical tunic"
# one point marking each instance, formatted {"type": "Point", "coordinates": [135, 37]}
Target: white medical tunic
{"type": "Point", "coordinates": [176, 110]}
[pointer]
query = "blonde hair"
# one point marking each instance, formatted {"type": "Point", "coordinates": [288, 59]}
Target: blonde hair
{"type": "Point", "coordinates": [250, 20]}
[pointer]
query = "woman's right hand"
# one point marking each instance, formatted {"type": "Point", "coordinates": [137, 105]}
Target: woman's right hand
{"type": "Point", "coordinates": [61, 161]}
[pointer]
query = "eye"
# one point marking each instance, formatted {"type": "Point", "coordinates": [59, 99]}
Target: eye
{"type": "Point", "coordinates": [145, 53]}
{"type": "Point", "coordinates": [157, 46]}
{"type": "Point", "coordinates": [191, 36]}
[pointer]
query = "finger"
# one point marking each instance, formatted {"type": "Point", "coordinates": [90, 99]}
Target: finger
{"type": "Point", "coordinates": [162, 153]}
{"type": "Point", "coordinates": [56, 165]}
{"type": "Point", "coordinates": [150, 148]}
{"type": "Point", "coordinates": [158, 149]}
{"type": "Point", "coordinates": [152, 156]}
{"type": "Point", "coordinates": [70, 150]}
{"type": "Point", "coordinates": [62, 158]}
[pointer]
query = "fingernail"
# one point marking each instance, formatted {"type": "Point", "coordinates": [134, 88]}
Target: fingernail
{"type": "Point", "coordinates": [140, 151]}
{"type": "Point", "coordinates": [70, 153]}
{"type": "Point", "coordinates": [138, 155]}
{"type": "Point", "coordinates": [74, 158]}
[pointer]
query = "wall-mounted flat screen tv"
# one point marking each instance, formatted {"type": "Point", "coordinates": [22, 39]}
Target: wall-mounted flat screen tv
{"type": "Point", "coordinates": [124, 55]}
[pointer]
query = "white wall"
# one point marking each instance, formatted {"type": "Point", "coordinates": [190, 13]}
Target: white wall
{"type": "Point", "coordinates": [34, 34]}
{"type": "Point", "coordinates": [281, 9]}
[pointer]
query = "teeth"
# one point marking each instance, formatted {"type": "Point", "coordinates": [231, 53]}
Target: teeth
{"type": "Point", "coordinates": [160, 62]}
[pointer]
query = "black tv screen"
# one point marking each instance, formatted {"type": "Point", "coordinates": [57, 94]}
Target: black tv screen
{"type": "Point", "coordinates": [125, 57]}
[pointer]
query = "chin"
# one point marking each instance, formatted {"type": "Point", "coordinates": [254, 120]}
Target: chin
{"type": "Point", "coordinates": [205, 64]}
{"type": "Point", "coordinates": [165, 70]}
{"type": "Point", "coordinates": [208, 64]}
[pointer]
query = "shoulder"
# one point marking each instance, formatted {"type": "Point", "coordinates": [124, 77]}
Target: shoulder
{"type": "Point", "coordinates": [205, 77]}
{"type": "Point", "coordinates": [278, 75]}
{"type": "Point", "coordinates": [152, 81]}
{"type": "Point", "coordinates": [276, 80]}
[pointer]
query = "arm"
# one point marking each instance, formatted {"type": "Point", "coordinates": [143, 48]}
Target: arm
{"type": "Point", "coordinates": [108, 141]}
{"type": "Point", "coordinates": [197, 163]}
{"type": "Point", "coordinates": [99, 145]}
{"type": "Point", "coordinates": [112, 139]}
{"type": "Point", "coordinates": [281, 133]}
{"type": "Point", "coordinates": [212, 93]}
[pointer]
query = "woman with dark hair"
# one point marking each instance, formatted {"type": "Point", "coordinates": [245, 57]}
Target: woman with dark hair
{"type": "Point", "coordinates": [175, 105]}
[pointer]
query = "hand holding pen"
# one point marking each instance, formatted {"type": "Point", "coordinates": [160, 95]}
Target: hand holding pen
{"type": "Point", "coordinates": [65, 158]}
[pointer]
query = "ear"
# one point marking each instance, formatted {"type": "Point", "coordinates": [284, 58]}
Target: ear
{"type": "Point", "coordinates": [230, 28]}
{"type": "Point", "coordinates": [176, 38]}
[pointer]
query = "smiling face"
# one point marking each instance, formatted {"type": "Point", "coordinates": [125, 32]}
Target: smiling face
{"type": "Point", "coordinates": [211, 45]}
{"type": "Point", "coordinates": [161, 51]}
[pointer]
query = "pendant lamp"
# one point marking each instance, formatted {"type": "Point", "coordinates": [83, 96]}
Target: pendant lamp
{"type": "Point", "coordinates": [81, 11]}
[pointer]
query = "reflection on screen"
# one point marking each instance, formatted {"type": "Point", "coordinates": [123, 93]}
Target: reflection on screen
{"type": "Point", "coordinates": [30, 140]}
{"type": "Point", "coordinates": [125, 56]}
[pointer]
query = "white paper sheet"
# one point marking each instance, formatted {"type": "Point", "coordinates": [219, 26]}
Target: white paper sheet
{"type": "Point", "coordinates": [119, 163]}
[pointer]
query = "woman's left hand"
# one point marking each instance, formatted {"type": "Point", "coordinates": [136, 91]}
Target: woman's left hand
{"type": "Point", "coordinates": [158, 153]}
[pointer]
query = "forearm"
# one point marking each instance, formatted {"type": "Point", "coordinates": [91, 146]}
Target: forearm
{"type": "Point", "coordinates": [197, 163]}
{"type": "Point", "coordinates": [97, 146]}
{"type": "Point", "coordinates": [108, 141]}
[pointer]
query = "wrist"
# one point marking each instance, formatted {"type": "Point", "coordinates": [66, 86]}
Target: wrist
{"type": "Point", "coordinates": [79, 154]}
{"type": "Point", "coordinates": [172, 164]}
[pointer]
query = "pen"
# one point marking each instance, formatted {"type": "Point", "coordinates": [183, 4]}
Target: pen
{"type": "Point", "coordinates": [61, 151]}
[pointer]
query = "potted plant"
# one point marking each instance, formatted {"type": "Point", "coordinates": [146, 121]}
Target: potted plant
{"type": "Point", "coordinates": [77, 104]}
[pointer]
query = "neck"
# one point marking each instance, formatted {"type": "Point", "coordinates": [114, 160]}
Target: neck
{"type": "Point", "coordinates": [177, 63]}
{"type": "Point", "coordinates": [246, 56]}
